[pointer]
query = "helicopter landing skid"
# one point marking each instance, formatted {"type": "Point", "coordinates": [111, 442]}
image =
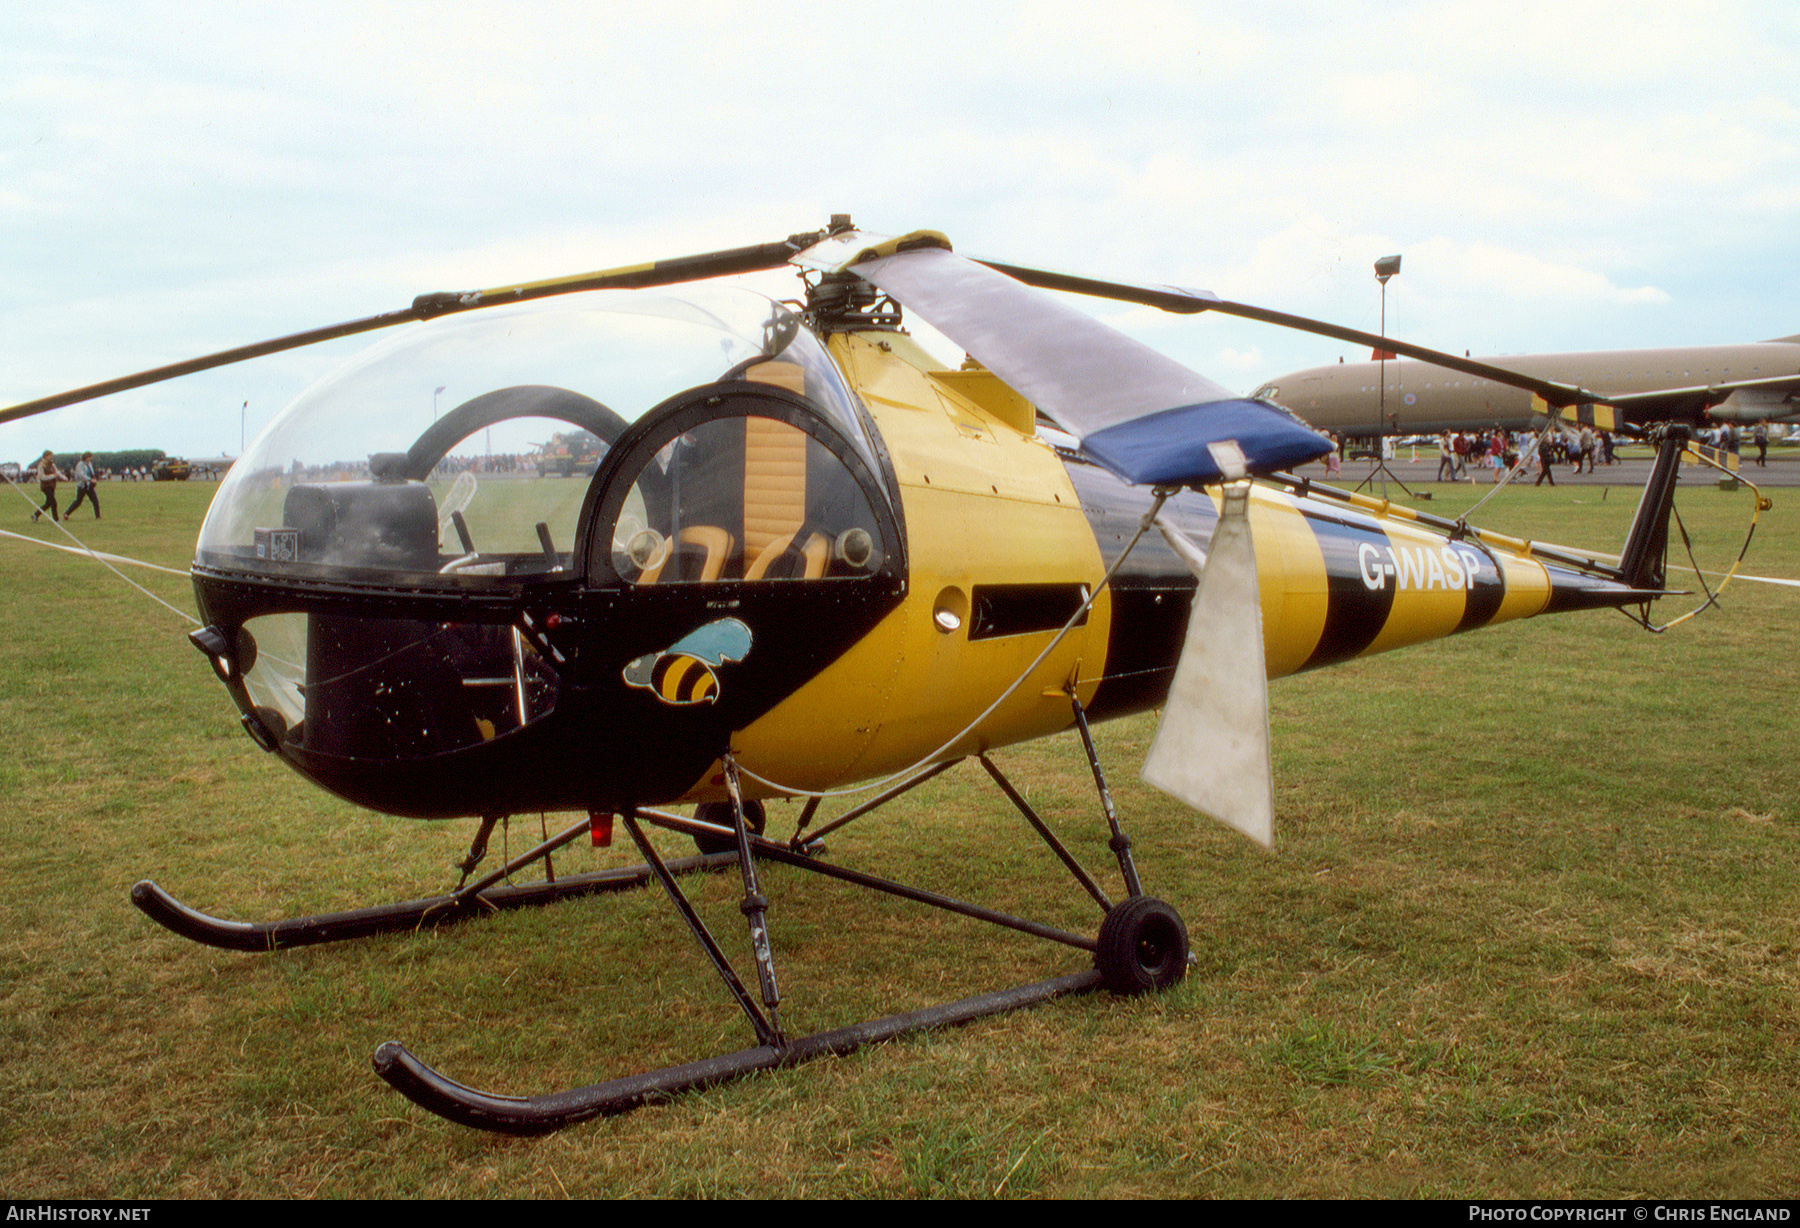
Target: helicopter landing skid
{"type": "Point", "coordinates": [1142, 946]}
{"type": "Point", "coordinates": [173, 915]}
{"type": "Point", "coordinates": [526, 1115]}
{"type": "Point", "coordinates": [490, 893]}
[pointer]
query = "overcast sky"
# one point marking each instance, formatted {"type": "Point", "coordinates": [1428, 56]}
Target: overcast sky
{"type": "Point", "coordinates": [179, 178]}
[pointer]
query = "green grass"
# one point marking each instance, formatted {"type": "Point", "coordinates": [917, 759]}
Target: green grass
{"type": "Point", "coordinates": [1528, 929]}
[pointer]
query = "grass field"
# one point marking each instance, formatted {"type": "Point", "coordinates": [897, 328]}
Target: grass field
{"type": "Point", "coordinates": [1529, 929]}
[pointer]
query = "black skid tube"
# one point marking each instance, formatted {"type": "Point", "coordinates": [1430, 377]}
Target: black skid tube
{"type": "Point", "coordinates": [172, 914]}
{"type": "Point", "coordinates": [466, 1106]}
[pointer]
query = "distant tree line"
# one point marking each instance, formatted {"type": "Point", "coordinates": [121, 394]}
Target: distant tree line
{"type": "Point", "coordinates": [134, 458]}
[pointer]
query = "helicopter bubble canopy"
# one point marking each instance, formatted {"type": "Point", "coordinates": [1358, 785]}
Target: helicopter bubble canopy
{"type": "Point", "coordinates": [435, 458]}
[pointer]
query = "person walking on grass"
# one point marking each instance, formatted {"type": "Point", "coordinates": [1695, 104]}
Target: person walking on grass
{"type": "Point", "coordinates": [83, 478]}
{"type": "Point", "coordinates": [47, 475]}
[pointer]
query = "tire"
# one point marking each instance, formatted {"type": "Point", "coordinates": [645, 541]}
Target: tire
{"type": "Point", "coordinates": [720, 813]}
{"type": "Point", "coordinates": [1143, 946]}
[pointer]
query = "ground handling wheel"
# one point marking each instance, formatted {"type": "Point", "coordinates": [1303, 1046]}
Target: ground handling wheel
{"type": "Point", "coordinates": [1143, 946]}
{"type": "Point", "coordinates": [720, 813]}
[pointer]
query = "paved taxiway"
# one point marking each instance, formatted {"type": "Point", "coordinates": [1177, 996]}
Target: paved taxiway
{"type": "Point", "coordinates": [1783, 469]}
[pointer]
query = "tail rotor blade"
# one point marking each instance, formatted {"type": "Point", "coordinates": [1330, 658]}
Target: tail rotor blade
{"type": "Point", "coordinates": [1212, 746]}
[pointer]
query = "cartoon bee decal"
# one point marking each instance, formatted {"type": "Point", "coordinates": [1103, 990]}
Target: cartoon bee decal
{"type": "Point", "coordinates": [682, 673]}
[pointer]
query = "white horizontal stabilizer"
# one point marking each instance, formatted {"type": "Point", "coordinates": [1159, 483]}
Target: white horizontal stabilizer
{"type": "Point", "coordinates": [1212, 747]}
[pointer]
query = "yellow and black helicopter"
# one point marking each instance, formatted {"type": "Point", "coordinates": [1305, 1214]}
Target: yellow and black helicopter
{"type": "Point", "coordinates": [810, 556]}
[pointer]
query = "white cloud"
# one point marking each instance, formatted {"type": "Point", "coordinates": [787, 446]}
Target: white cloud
{"type": "Point", "coordinates": [1558, 176]}
{"type": "Point", "coordinates": [1482, 269]}
{"type": "Point", "coordinates": [1234, 362]}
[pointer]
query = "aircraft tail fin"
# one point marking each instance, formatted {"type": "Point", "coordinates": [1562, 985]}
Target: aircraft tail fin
{"type": "Point", "coordinates": [1642, 560]}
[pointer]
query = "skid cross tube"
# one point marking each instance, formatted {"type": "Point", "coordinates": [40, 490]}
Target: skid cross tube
{"type": "Point", "coordinates": [882, 799]}
{"type": "Point", "coordinates": [700, 829]}
{"type": "Point", "coordinates": [772, 851]}
{"type": "Point", "coordinates": [541, 850]}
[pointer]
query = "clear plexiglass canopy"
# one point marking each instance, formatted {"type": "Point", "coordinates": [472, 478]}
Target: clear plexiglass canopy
{"type": "Point", "coordinates": [462, 448]}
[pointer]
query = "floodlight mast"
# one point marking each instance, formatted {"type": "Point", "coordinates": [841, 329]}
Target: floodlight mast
{"type": "Point", "coordinates": [1386, 267]}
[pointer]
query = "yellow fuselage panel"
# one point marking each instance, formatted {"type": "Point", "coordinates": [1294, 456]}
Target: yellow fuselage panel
{"type": "Point", "coordinates": [1290, 573]}
{"type": "Point", "coordinates": [1003, 513]}
{"type": "Point", "coordinates": [1431, 583]}
{"type": "Point", "coordinates": [1527, 588]}
{"type": "Point", "coordinates": [1392, 576]}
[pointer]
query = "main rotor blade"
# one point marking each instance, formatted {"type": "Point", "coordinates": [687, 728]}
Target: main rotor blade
{"type": "Point", "coordinates": [627, 277]}
{"type": "Point", "coordinates": [1144, 416]}
{"type": "Point", "coordinates": [223, 358]}
{"type": "Point", "coordinates": [1189, 302]}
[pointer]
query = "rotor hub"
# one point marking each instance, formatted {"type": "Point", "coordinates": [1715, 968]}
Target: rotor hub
{"type": "Point", "coordinates": [843, 302]}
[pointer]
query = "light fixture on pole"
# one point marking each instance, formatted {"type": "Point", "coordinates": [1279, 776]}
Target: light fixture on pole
{"type": "Point", "coordinates": [1386, 267]}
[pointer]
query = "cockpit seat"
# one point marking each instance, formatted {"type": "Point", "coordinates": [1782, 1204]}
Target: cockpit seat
{"type": "Point", "coordinates": [787, 558]}
{"type": "Point", "coordinates": [699, 553]}
{"type": "Point", "coordinates": [774, 486]}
